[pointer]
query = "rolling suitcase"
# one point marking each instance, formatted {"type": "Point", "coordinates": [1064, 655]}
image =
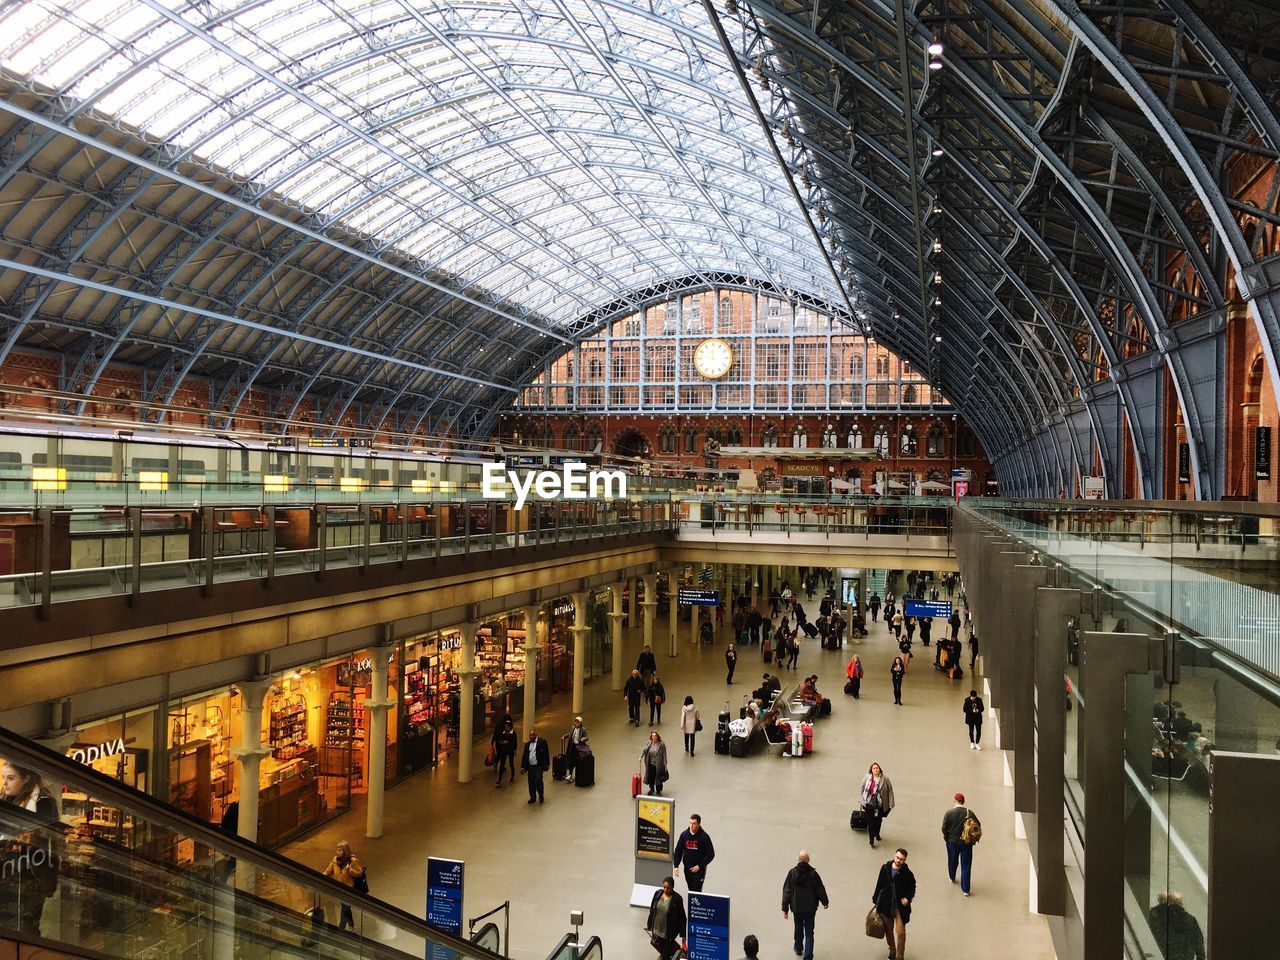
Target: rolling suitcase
{"type": "Point", "coordinates": [848, 688]}
{"type": "Point", "coordinates": [824, 708]}
{"type": "Point", "coordinates": [584, 772]}
{"type": "Point", "coordinates": [858, 819]}
{"type": "Point", "coordinates": [766, 650]}
{"type": "Point", "coordinates": [723, 719]}
{"type": "Point", "coordinates": [810, 630]}
{"type": "Point", "coordinates": [722, 740]}
{"type": "Point", "coordinates": [559, 767]}
{"type": "Point", "coordinates": [806, 737]}
{"type": "Point", "coordinates": [635, 785]}
{"type": "Point", "coordinates": [737, 746]}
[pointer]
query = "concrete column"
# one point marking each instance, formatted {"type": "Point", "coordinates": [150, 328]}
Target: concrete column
{"type": "Point", "coordinates": [753, 572]}
{"type": "Point", "coordinates": [579, 629]}
{"type": "Point", "coordinates": [467, 700]}
{"type": "Point", "coordinates": [694, 616]}
{"type": "Point", "coordinates": [250, 753]}
{"type": "Point", "coordinates": [380, 700]}
{"type": "Point", "coordinates": [673, 611]}
{"type": "Point", "coordinates": [615, 626]}
{"type": "Point", "coordinates": [650, 606]}
{"type": "Point", "coordinates": [532, 646]}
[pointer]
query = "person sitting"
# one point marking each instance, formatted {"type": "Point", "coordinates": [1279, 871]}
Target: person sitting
{"type": "Point", "coordinates": [773, 731]}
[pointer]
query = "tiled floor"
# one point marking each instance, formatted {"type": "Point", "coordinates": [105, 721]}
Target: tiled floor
{"type": "Point", "coordinates": [575, 852]}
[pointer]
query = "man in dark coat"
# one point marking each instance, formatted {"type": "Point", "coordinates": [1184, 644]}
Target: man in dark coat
{"type": "Point", "coordinates": [874, 606]}
{"type": "Point", "coordinates": [802, 891]}
{"type": "Point", "coordinates": [895, 889]}
{"type": "Point", "coordinates": [695, 850]}
{"type": "Point", "coordinates": [535, 760]}
{"type": "Point", "coordinates": [754, 621]}
{"type": "Point", "coordinates": [647, 664]}
{"type": "Point", "coordinates": [1176, 931]}
{"type": "Point", "coordinates": [632, 692]}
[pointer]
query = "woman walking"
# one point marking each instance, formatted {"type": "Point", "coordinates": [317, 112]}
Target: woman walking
{"type": "Point", "coordinates": [656, 694]}
{"type": "Point", "coordinates": [897, 671]}
{"type": "Point", "coordinates": [898, 620]}
{"type": "Point", "coordinates": [877, 800]}
{"type": "Point", "coordinates": [666, 923]}
{"type": "Point", "coordinates": [349, 872]}
{"type": "Point", "coordinates": [854, 672]}
{"type": "Point", "coordinates": [653, 760]}
{"type": "Point", "coordinates": [690, 720]}
{"type": "Point", "coordinates": [973, 710]}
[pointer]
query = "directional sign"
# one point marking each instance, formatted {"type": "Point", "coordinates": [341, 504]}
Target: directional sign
{"type": "Point", "coordinates": [926, 608]}
{"type": "Point", "coordinates": [698, 598]}
{"type": "Point", "coordinates": [708, 927]}
{"type": "Point", "coordinates": [444, 902]}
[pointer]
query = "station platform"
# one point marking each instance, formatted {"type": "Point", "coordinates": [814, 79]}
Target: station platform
{"type": "Point", "coordinates": [574, 852]}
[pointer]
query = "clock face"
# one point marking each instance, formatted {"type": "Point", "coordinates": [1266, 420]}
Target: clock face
{"type": "Point", "coordinates": [713, 358]}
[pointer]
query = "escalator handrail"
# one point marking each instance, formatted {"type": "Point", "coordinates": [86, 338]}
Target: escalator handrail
{"type": "Point", "coordinates": [593, 942]}
{"type": "Point", "coordinates": [476, 937]}
{"type": "Point", "coordinates": [25, 753]}
{"type": "Point", "coordinates": [558, 949]}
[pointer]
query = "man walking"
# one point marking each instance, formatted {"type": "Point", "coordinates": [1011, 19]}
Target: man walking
{"type": "Point", "coordinates": [632, 693]}
{"type": "Point", "coordinates": [730, 661]}
{"type": "Point", "coordinates": [802, 891]}
{"type": "Point", "coordinates": [534, 761]}
{"type": "Point", "coordinates": [695, 850]}
{"type": "Point", "coordinates": [973, 710]}
{"type": "Point", "coordinates": [874, 606]}
{"type": "Point", "coordinates": [646, 663]}
{"type": "Point", "coordinates": [895, 889]}
{"type": "Point", "coordinates": [958, 850]}
{"type": "Point", "coordinates": [754, 622]}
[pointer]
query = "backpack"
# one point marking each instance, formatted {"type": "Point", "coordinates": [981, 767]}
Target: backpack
{"type": "Point", "coordinates": [972, 831]}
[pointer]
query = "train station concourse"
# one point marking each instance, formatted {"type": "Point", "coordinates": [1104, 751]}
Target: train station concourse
{"type": "Point", "coordinates": [465, 463]}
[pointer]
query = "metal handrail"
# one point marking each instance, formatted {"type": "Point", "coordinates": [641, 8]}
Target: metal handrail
{"type": "Point", "coordinates": [24, 753]}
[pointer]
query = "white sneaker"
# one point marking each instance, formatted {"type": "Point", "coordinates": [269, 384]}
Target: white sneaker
{"type": "Point", "coordinates": [977, 746]}
{"type": "Point", "coordinates": [972, 745]}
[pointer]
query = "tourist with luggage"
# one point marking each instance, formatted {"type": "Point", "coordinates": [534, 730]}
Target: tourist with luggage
{"type": "Point", "coordinates": [695, 850]}
{"type": "Point", "coordinates": [656, 694]}
{"type": "Point", "coordinates": [632, 691]}
{"type": "Point", "coordinates": [653, 761]}
{"type": "Point", "coordinates": [575, 745]}
{"type": "Point", "coordinates": [897, 672]}
{"type": "Point", "coordinates": [973, 713]}
{"type": "Point", "coordinates": [802, 891]}
{"type": "Point", "coordinates": [895, 889]}
{"type": "Point", "coordinates": [854, 672]}
{"type": "Point", "coordinates": [876, 797]}
{"type": "Point", "coordinates": [960, 830]}
{"type": "Point", "coordinates": [667, 922]}
{"type": "Point", "coordinates": [690, 724]}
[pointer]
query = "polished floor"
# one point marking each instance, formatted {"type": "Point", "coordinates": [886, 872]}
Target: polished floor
{"type": "Point", "coordinates": [574, 852]}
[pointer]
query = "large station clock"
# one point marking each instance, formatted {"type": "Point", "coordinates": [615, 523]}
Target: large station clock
{"type": "Point", "coordinates": [713, 358]}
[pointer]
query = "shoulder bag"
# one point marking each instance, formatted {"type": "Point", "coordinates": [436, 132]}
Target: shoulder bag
{"type": "Point", "coordinates": [875, 924]}
{"type": "Point", "coordinates": [972, 830]}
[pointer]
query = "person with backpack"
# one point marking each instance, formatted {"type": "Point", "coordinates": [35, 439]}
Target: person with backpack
{"type": "Point", "coordinates": [973, 713]}
{"type": "Point", "coordinates": [961, 830]}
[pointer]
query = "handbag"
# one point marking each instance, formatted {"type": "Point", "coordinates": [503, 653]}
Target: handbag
{"type": "Point", "coordinates": [697, 725]}
{"type": "Point", "coordinates": [875, 924]}
{"type": "Point", "coordinates": [491, 757]}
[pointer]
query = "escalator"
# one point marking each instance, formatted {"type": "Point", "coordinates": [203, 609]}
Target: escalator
{"type": "Point", "coordinates": [568, 949]}
{"type": "Point", "coordinates": [137, 879]}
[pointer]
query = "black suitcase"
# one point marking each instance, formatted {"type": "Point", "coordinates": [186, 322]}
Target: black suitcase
{"type": "Point", "coordinates": [559, 767]}
{"type": "Point", "coordinates": [737, 746]}
{"type": "Point", "coordinates": [824, 708]}
{"type": "Point", "coordinates": [848, 688]}
{"type": "Point", "coordinates": [584, 772]}
{"type": "Point", "coordinates": [810, 630]}
{"type": "Point", "coordinates": [858, 819]}
{"type": "Point", "coordinates": [768, 655]}
{"type": "Point", "coordinates": [722, 740]}
{"type": "Point", "coordinates": [723, 719]}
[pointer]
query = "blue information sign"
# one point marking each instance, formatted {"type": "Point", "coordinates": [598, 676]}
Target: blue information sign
{"type": "Point", "coordinates": [444, 902]}
{"type": "Point", "coordinates": [926, 608]}
{"type": "Point", "coordinates": [708, 927]}
{"type": "Point", "coordinates": [697, 598]}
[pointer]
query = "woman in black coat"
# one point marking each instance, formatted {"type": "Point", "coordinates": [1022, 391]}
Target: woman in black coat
{"type": "Point", "coordinates": [897, 671]}
{"type": "Point", "coordinates": [666, 923]}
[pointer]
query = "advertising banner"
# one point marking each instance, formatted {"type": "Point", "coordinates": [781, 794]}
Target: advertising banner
{"type": "Point", "coordinates": [444, 902]}
{"type": "Point", "coordinates": [940, 609]}
{"type": "Point", "coordinates": [1262, 453]}
{"type": "Point", "coordinates": [1184, 463]}
{"type": "Point", "coordinates": [689, 597]}
{"type": "Point", "coordinates": [653, 828]}
{"type": "Point", "coordinates": [708, 927]}
{"type": "Point", "coordinates": [962, 488]}
{"type": "Point", "coordinates": [1094, 488]}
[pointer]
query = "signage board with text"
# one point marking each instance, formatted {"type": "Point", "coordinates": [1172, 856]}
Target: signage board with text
{"type": "Point", "coordinates": [1262, 453]}
{"type": "Point", "coordinates": [689, 597]}
{"type": "Point", "coordinates": [708, 927]}
{"type": "Point", "coordinates": [444, 902]}
{"type": "Point", "coordinates": [940, 609]}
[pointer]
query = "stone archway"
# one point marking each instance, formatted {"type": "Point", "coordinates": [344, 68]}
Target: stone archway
{"type": "Point", "coordinates": [630, 442]}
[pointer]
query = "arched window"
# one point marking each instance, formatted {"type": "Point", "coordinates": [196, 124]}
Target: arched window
{"type": "Point", "coordinates": [572, 438]}
{"type": "Point", "coordinates": [854, 440]}
{"type": "Point", "coordinates": [882, 393]}
{"type": "Point", "coordinates": [964, 442]}
{"type": "Point", "coordinates": [882, 440]}
{"type": "Point", "coordinates": [857, 367]}
{"type": "Point", "coordinates": [735, 436]}
{"type": "Point", "coordinates": [690, 440]}
{"type": "Point", "coordinates": [935, 443]}
{"type": "Point", "coordinates": [910, 445]}
{"type": "Point", "coordinates": [770, 436]}
{"type": "Point", "coordinates": [666, 439]}
{"type": "Point", "coordinates": [909, 394]}
{"type": "Point", "coordinates": [595, 369]}
{"type": "Point", "coordinates": [799, 436]}
{"type": "Point", "coordinates": [620, 373]}
{"type": "Point", "coordinates": [726, 310]}
{"type": "Point", "coordinates": [829, 437]}
{"type": "Point", "coordinates": [714, 434]}
{"type": "Point", "coordinates": [882, 366]}
{"type": "Point", "coordinates": [595, 438]}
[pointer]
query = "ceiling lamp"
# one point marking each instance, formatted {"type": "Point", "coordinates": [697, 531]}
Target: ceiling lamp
{"type": "Point", "coordinates": [937, 338]}
{"type": "Point", "coordinates": [937, 246]}
{"type": "Point", "coordinates": [935, 64]}
{"type": "Point", "coordinates": [935, 48]}
{"type": "Point", "coordinates": [937, 279]}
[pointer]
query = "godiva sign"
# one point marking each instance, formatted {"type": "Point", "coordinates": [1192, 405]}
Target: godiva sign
{"type": "Point", "coordinates": [573, 481]}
